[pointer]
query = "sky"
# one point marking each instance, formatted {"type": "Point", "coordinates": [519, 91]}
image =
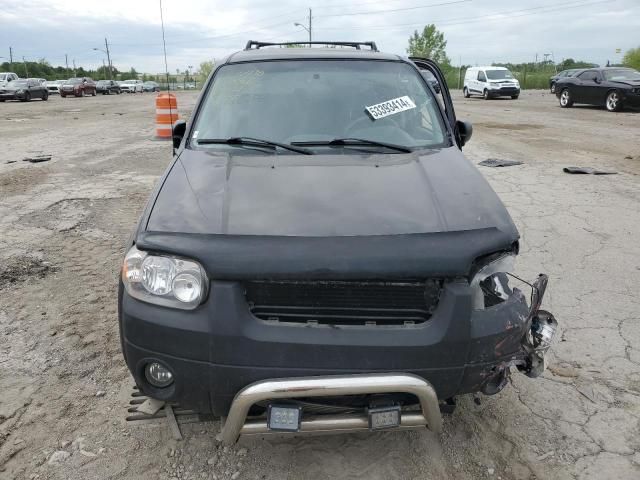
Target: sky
{"type": "Point", "coordinates": [477, 31]}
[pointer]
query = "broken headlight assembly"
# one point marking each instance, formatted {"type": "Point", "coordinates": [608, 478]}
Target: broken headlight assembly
{"type": "Point", "coordinates": [490, 285]}
{"type": "Point", "coordinates": [164, 280]}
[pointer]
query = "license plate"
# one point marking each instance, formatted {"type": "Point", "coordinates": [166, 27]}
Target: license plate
{"type": "Point", "coordinates": [284, 418]}
{"type": "Point", "coordinates": [384, 417]}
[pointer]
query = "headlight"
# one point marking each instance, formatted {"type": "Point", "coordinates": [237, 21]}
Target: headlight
{"type": "Point", "coordinates": [490, 285]}
{"type": "Point", "coordinates": [164, 280]}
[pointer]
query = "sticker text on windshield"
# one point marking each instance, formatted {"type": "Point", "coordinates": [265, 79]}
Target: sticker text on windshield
{"type": "Point", "coordinates": [390, 107]}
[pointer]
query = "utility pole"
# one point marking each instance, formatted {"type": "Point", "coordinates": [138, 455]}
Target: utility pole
{"type": "Point", "coordinates": [10, 58]}
{"type": "Point", "coordinates": [104, 68]}
{"type": "Point", "coordinates": [310, 18]}
{"type": "Point", "coordinates": [25, 67]}
{"type": "Point", "coordinates": [74, 67]}
{"type": "Point", "coordinates": [106, 44]}
{"type": "Point", "coordinates": [66, 62]}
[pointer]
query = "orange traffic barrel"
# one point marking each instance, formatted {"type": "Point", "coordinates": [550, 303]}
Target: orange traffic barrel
{"type": "Point", "coordinates": [166, 114]}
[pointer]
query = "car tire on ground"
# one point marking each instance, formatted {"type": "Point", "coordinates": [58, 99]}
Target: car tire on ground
{"type": "Point", "coordinates": [62, 95]}
{"type": "Point", "coordinates": [45, 96]}
{"type": "Point", "coordinates": [514, 97]}
{"type": "Point", "coordinates": [465, 92]}
{"type": "Point", "coordinates": [613, 102]}
{"type": "Point", "coordinates": [93, 93]}
{"type": "Point", "coordinates": [553, 88]}
{"type": "Point", "coordinates": [485, 94]}
{"type": "Point", "coordinates": [566, 101]}
{"type": "Point", "coordinates": [27, 97]}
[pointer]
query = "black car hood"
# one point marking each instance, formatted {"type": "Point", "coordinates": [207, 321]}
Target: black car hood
{"type": "Point", "coordinates": [326, 195]}
{"type": "Point", "coordinates": [327, 217]}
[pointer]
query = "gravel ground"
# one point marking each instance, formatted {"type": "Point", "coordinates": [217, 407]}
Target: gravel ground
{"type": "Point", "coordinates": [64, 388]}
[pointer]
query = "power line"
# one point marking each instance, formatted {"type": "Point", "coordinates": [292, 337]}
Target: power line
{"type": "Point", "coordinates": [490, 17]}
{"type": "Point", "coordinates": [404, 9]}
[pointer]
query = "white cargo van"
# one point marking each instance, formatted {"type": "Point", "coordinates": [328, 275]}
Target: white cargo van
{"type": "Point", "coordinates": [490, 82]}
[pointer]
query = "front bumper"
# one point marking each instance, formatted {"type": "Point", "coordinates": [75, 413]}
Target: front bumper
{"type": "Point", "coordinates": [504, 91]}
{"type": "Point", "coordinates": [218, 349]}
{"type": "Point", "coordinates": [10, 96]}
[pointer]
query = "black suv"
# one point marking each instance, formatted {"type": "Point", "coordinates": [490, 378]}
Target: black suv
{"type": "Point", "coordinates": [319, 255]}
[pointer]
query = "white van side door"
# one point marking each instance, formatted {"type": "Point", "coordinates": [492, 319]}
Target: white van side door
{"type": "Point", "coordinates": [481, 81]}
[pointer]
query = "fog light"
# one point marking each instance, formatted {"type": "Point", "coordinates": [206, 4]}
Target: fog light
{"type": "Point", "coordinates": [158, 375]}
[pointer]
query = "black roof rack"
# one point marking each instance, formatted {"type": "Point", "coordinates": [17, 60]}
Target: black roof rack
{"type": "Point", "coordinates": [252, 44]}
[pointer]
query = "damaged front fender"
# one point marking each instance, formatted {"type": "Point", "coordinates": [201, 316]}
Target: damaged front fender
{"type": "Point", "coordinates": [510, 334]}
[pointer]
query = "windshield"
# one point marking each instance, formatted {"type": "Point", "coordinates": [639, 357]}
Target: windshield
{"type": "Point", "coordinates": [622, 74]}
{"type": "Point", "coordinates": [499, 74]}
{"type": "Point", "coordinates": [73, 81]}
{"type": "Point", "coordinates": [319, 101]}
{"type": "Point", "coordinates": [3, 77]}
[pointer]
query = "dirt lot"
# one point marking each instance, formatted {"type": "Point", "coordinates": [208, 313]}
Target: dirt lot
{"type": "Point", "coordinates": [64, 387]}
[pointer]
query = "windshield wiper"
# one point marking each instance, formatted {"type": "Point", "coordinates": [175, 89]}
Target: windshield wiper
{"type": "Point", "coordinates": [253, 142]}
{"type": "Point", "coordinates": [356, 142]}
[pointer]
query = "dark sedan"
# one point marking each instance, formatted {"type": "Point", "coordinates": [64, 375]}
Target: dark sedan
{"type": "Point", "coordinates": [150, 87]}
{"type": "Point", "coordinates": [107, 87]}
{"type": "Point", "coordinates": [611, 87]}
{"type": "Point", "coordinates": [23, 90]}
{"type": "Point", "coordinates": [572, 72]}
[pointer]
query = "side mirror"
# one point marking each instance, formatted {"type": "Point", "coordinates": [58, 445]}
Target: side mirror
{"type": "Point", "coordinates": [464, 131]}
{"type": "Point", "coordinates": [178, 131]}
{"type": "Point", "coordinates": [596, 79]}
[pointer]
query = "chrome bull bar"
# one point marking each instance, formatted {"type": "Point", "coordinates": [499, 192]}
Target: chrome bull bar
{"type": "Point", "coordinates": [236, 424]}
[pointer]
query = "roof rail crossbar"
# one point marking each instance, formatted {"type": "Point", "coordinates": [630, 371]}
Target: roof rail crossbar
{"type": "Point", "coordinates": [252, 44]}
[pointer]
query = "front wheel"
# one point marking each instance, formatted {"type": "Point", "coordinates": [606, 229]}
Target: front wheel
{"type": "Point", "coordinates": [93, 93]}
{"type": "Point", "coordinates": [485, 94]}
{"type": "Point", "coordinates": [62, 95]}
{"type": "Point", "coordinates": [553, 88]}
{"type": "Point", "coordinates": [27, 97]}
{"type": "Point", "coordinates": [465, 92]}
{"type": "Point", "coordinates": [566, 101]}
{"type": "Point", "coordinates": [614, 102]}
{"type": "Point", "coordinates": [514, 97]}
{"type": "Point", "coordinates": [45, 96]}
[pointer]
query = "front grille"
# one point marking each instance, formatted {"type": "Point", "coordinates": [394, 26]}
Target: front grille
{"type": "Point", "coordinates": [344, 302]}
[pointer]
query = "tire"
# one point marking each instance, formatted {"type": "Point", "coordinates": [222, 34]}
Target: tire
{"type": "Point", "coordinates": [465, 92]}
{"type": "Point", "coordinates": [514, 97]}
{"type": "Point", "coordinates": [62, 95]}
{"type": "Point", "coordinates": [613, 101]}
{"type": "Point", "coordinates": [45, 96]}
{"type": "Point", "coordinates": [485, 94]}
{"type": "Point", "coordinates": [93, 92]}
{"type": "Point", "coordinates": [566, 101]}
{"type": "Point", "coordinates": [27, 97]}
{"type": "Point", "coordinates": [553, 88]}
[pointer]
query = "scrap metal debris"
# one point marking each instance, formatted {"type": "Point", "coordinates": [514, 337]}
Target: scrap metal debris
{"type": "Point", "coordinates": [37, 158]}
{"type": "Point", "coordinates": [497, 162]}
{"type": "Point", "coordinates": [587, 171]}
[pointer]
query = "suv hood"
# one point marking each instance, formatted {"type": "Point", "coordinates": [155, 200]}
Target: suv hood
{"type": "Point", "coordinates": [326, 195]}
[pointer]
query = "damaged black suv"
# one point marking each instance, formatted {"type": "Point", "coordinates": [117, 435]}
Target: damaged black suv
{"type": "Point", "coordinates": [320, 256]}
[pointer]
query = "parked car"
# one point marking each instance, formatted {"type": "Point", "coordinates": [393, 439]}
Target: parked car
{"type": "Point", "coordinates": [564, 73]}
{"type": "Point", "coordinates": [490, 82]}
{"type": "Point", "coordinates": [107, 87]}
{"type": "Point", "coordinates": [78, 87]}
{"type": "Point", "coordinates": [132, 86]}
{"type": "Point", "coordinates": [53, 86]}
{"type": "Point", "coordinates": [150, 87]}
{"type": "Point", "coordinates": [611, 87]}
{"type": "Point", "coordinates": [320, 252]}
{"type": "Point", "coordinates": [24, 90]}
{"type": "Point", "coordinates": [7, 77]}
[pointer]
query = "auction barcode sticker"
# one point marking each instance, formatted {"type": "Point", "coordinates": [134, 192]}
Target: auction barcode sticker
{"type": "Point", "coordinates": [390, 107]}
